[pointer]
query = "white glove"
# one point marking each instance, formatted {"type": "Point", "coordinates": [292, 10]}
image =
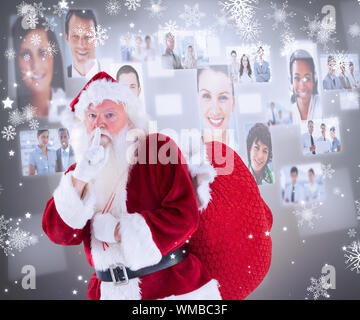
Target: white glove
{"type": "Point", "coordinates": [104, 227]}
{"type": "Point", "coordinates": [93, 160]}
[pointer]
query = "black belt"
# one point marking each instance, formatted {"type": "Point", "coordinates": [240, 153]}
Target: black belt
{"type": "Point", "coordinates": [120, 274]}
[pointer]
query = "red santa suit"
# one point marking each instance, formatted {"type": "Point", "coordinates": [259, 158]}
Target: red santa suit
{"type": "Point", "coordinates": [155, 204]}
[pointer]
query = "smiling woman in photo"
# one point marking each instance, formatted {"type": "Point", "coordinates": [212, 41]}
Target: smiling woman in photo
{"type": "Point", "coordinates": [216, 101]}
{"type": "Point", "coordinates": [38, 69]}
{"type": "Point", "coordinates": [259, 152]}
{"type": "Point", "coordinates": [303, 78]}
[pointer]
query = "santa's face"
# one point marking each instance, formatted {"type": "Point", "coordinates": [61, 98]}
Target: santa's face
{"type": "Point", "coordinates": [109, 116]}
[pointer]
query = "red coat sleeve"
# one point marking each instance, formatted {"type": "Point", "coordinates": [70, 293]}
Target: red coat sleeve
{"type": "Point", "coordinates": [65, 215]}
{"type": "Point", "coordinates": [170, 215]}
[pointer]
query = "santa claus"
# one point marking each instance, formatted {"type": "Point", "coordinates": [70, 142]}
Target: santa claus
{"type": "Point", "coordinates": [134, 208]}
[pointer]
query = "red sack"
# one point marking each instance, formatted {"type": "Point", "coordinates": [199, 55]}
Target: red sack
{"type": "Point", "coordinates": [233, 238]}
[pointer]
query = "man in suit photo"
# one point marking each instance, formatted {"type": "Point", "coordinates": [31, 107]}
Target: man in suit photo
{"type": "Point", "coordinates": [65, 154]}
{"type": "Point", "coordinates": [79, 25]}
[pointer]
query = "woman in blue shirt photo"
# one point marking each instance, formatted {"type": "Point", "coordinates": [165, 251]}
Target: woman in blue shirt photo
{"type": "Point", "coordinates": [42, 159]}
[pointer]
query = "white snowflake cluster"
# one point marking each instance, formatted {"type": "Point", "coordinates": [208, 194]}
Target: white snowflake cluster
{"type": "Point", "coordinates": [156, 9]}
{"type": "Point", "coordinates": [35, 39]}
{"type": "Point", "coordinates": [318, 288]}
{"type": "Point", "coordinates": [321, 33]}
{"type": "Point", "coordinates": [192, 15]}
{"type": "Point", "coordinates": [30, 14]}
{"type": "Point", "coordinates": [98, 35]}
{"type": "Point", "coordinates": [354, 30]}
{"type": "Point", "coordinates": [8, 133]}
{"type": "Point", "coordinates": [10, 53]}
{"type": "Point", "coordinates": [60, 8]}
{"type": "Point", "coordinates": [327, 171]}
{"type": "Point", "coordinates": [352, 256]}
{"type": "Point", "coordinates": [112, 7]}
{"type": "Point", "coordinates": [169, 27]}
{"type": "Point", "coordinates": [13, 238]}
{"type": "Point", "coordinates": [280, 15]}
{"type": "Point", "coordinates": [242, 12]}
{"type": "Point", "coordinates": [133, 4]}
{"type": "Point", "coordinates": [49, 24]}
{"type": "Point", "coordinates": [17, 117]}
{"type": "Point", "coordinates": [306, 214]}
{"type": "Point", "coordinates": [288, 42]}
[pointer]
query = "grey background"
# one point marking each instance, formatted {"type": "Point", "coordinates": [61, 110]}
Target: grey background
{"type": "Point", "coordinates": [58, 267]}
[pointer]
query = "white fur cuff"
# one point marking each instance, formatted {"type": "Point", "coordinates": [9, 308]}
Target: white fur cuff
{"type": "Point", "coordinates": [138, 246]}
{"type": "Point", "coordinates": [72, 210]}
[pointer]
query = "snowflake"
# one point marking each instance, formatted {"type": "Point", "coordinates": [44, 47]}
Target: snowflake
{"type": "Point", "coordinates": [12, 239]}
{"type": "Point", "coordinates": [49, 24]}
{"type": "Point", "coordinates": [29, 112]}
{"type": "Point", "coordinates": [97, 36]}
{"type": "Point", "coordinates": [51, 48]}
{"type": "Point", "coordinates": [352, 233]}
{"type": "Point", "coordinates": [10, 53]}
{"type": "Point", "coordinates": [26, 57]}
{"type": "Point", "coordinates": [307, 214]}
{"type": "Point", "coordinates": [288, 42]}
{"type": "Point", "coordinates": [337, 191]}
{"type": "Point", "coordinates": [39, 9]}
{"type": "Point", "coordinates": [354, 30]}
{"type": "Point", "coordinates": [156, 9]}
{"type": "Point", "coordinates": [35, 39]}
{"type": "Point", "coordinates": [24, 9]}
{"type": "Point", "coordinates": [221, 21]}
{"type": "Point", "coordinates": [31, 20]}
{"type": "Point", "coordinates": [8, 133]}
{"type": "Point", "coordinates": [192, 15]}
{"type": "Point", "coordinates": [318, 288]}
{"type": "Point", "coordinates": [112, 7]}
{"type": "Point", "coordinates": [133, 4]}
{"type": "Point", "coordinates": [248, 30]}
{"type": "Point", "coordinates": [340, 58]}
{"type": "Point", "coordinates": [16, 117]}
{"type": "Point", "coordinates": [239, 10]}
{"type": "Point", "coordinates": [59, 10]}
{"type": "Point", "coordinates": [352, 255]}
{"type": "Point", "coordinates": [170, 27]}
{"type": "Point", "coordinates": [319, 32]}
{"type": "Point", "coordinates": [327, 171]}
{"type": "Point", "coordinates": [280, 15]}
{"type": "Point", "coordinates": [33, 124]}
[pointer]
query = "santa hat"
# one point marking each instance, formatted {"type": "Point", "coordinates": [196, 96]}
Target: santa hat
{"type": "Point", "coordinates": [104, 87]}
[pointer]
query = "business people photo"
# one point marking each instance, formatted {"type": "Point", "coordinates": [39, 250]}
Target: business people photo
{"type": "Point", "coordinates": [323, 143]}
{"type": "Point", "coordinates": [42, 159]}
{"type": "Point", "coordinates": [303, 77]}
{"type": "Point", "coordinates": [353, 76]}
{"type": "Point", "coordinates": [294, 191]}
{"type": "Point", "coordinates": [331, 80]}
{"type": "Point", "coordinates": [261, 67]}
{"type": "Point", "coordinates": [245, 74]}
{"type": "Point", "coordinates": [65, 156]}
{"type": "Point", "coordinates": [79, 27]}
{"type": "Point", "coordinates": [259, 154]}
{"type": "Point", "coordinates": [345, 81]}
{"type": "Point", "coordinates": [308, 141]}
{"type": "Point", "coordinates": [128, 76]}
{"type": "Point", "coordinates": [234, 67]}
{"type": "Point", "coordinates": [335, 142]}
{"type": "Point", "coordinates": [217, 103]}
{"type": "Point", "coordinates": [313, 190]}
{"type": "Point", "coordinates": [170, 60]}
{"type": "Point", "coordinates": [38, 73]}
